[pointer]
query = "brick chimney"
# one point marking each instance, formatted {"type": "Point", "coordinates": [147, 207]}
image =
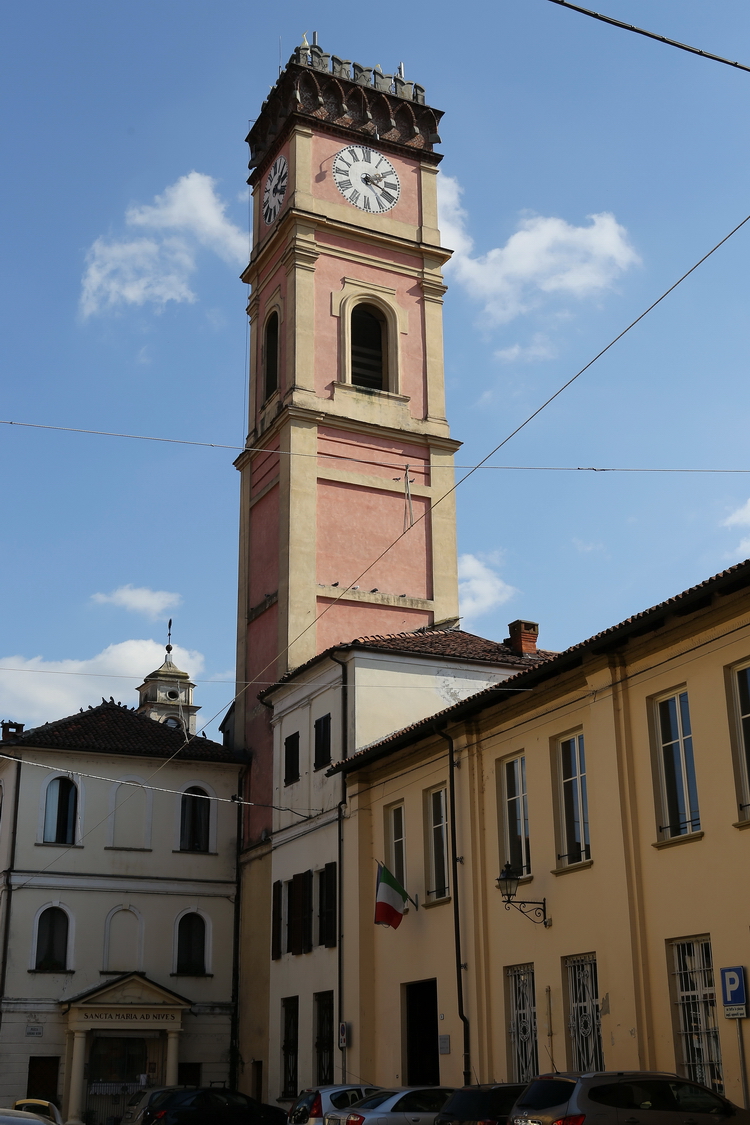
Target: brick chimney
{"type": "Point", "coordinates": [523, 637]}
{"type": "Point", "coordinates": [10, 730]}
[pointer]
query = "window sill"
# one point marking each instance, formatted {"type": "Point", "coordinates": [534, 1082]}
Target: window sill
{"type": "Point", "coordinates": [51, 844]}
{"type": "Point", "coordinates": [436, 902]}
{"type": "Point", "coordinates": [289, 784]}
{"type": "Point", "coordinates": [115, 848]}
{"type": "Point", "coordinates": [191, 974]}
{"type": "Point", "coordinates": [175, 851]}
{"type": "Point", "coordinates": [572, 867]}
{"type": "Point", "coordinates": [686, 838]}
{"type": "Point", "coordinates": [322, 766]}
{"type": "Point", "coordinates": [741, 824]}
{"type": "Point", "coordinates": [352, 388]}
{"type": "Point", "coordinates": [49, 972]}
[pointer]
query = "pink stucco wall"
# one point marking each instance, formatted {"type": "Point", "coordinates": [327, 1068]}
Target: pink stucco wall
{"type": "Point", "coordinates": [345, 621]}
{"type": "Point", "coordinates": [383, 456]}
{"type": "Point", "coordinates": [264, 547]}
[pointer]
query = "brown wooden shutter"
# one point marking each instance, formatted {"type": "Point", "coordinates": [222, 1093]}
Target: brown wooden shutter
{"type": "Point", "coordinates": [327, 893]}
{"type": "Point", "coordinates": [276, 904]}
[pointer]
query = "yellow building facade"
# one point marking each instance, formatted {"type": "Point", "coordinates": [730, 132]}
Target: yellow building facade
{"type": "Point", "coordinates": [613, 778]}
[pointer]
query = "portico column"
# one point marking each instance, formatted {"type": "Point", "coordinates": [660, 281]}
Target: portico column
{"type": "Point", "coordinates": [173, 1048]}
{"type": "Point", "coordinates": [75, 1100]}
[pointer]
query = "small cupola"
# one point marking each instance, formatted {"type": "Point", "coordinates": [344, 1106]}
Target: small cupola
{"type": "Point", "coordinates": [166, 694]}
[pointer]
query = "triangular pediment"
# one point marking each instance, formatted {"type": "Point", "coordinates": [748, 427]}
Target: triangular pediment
{"type": "Point", "coordinates": [131, 988]}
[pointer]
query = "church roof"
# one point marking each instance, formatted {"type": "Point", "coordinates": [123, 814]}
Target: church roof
{"type": "Point", "coordinates": [111, 728]}
{"type": "Point", "coordinates": [441, 643]}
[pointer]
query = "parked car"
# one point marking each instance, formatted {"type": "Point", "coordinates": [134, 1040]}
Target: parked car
{"type": "Point", "coordinates": [16, 1116]}
{"type": "Point", "coordinates": [622, 1098]}
{"type": "Point", "coordinates": [40, 1107]}
{"type": "Point", "coordinates": [406, 1105]}
{"type": "Point", "coordinates": [487, 1104]}
{"type": "Point", "coordinates": [201, 1105]}
{"type": "Point", "coordinates": [315, 1102]}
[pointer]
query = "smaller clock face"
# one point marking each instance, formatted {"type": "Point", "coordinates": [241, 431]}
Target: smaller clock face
{"type": "Point", "coordinates": [366, 179]}
{"type": "Point", "coordinates": [275, 189]}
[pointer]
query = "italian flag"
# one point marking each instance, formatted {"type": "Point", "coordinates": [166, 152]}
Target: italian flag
{"type": "Point", "coordinates": [390, 899]}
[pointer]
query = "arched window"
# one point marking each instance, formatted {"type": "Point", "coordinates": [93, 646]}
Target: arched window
{"type": "Point", "coordinates": [191, 945]}
{"type": "Point", "coordinates": [60, 811]}
{"type": "Point", "coordinates": [368, 347]}
{"type": "Point", "coordinates": [52, 940]}
{"type": "Point", "coordinates": [172, 721]}
{"type": "Point", "coordinates": [271, 356]}
{"type": "Point", "coordinates": [194, 818]}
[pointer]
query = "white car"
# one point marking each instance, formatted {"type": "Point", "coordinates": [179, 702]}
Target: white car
{"type": "Point", "coordinates": [406, 1105]}
{"type": "Point", "coordinates": [41, 1108]}
{"type": "Point", "coordinates": [314, 1103]}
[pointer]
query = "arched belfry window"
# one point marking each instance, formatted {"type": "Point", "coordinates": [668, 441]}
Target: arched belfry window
{"type": "Point", "coordinates": [191, 945]}
{"type": "Point", "coordinates": [271, 356]}
{"type": "Point", "coordinates": [60, 811]}
{"type": "Point", "coordinates": [368, 344]}
{"type": "Point", "coordinates": [194, 820]}
{"type": "Point", "coordinates": [52, 941]}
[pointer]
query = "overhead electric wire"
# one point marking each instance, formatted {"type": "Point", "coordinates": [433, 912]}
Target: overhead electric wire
{"type": "Point", "coordinates": [650, 34]}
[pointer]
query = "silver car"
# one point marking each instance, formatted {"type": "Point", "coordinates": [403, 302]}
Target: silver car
{"type": "Point", "coordinates": [315, 1102]}
{"type": "Point", "coordinates": [405, 1105]}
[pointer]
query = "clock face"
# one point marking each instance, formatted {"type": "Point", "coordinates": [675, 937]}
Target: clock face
{"type": "Point", "coordinates": [366, 179]}
{"type": "Point", "coordinates": [275, 189]}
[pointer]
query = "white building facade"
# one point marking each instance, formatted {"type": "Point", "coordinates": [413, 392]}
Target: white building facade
{"type": "Point", "coordinates": [118, 850]}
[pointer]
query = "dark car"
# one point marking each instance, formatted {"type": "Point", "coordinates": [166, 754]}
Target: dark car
{"type": "Point", "coordinates": [622, 1098]}
{"type": "Point", "coordinates": [487, 1104]}
{"type": "Point", "coordinates": [213, 1105]}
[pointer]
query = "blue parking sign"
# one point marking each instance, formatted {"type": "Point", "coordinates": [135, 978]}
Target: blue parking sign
{"type": "Point", "coordinates": [733, 991]}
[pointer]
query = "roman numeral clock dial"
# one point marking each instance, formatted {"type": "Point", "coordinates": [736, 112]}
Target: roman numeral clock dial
{"type": "Point", "coordinates": [366, 179]}
{"type": "Point", "coordinates": [275, 189]}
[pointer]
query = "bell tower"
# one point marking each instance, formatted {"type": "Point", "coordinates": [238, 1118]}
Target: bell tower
{"type": "Point", "coordinates": [348, 442]}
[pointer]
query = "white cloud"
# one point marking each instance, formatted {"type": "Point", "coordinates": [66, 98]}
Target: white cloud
{"type": "Point", "coordinates": [140, 599]}
{"type": "Point", "coordinates": [587, 548]}
{"type": "Point", "coordinates": [740, 517]}
{"type": "Point", "coordinates": [480, 589]}
{"type": "Point", "coordinates": [537, 349]}
{"type": "Point", "coordinates": [35, 694]}
{"type": "Point", "coordinates": [155, 270]}
{"type": "Point", "coordinates": [544, 256]}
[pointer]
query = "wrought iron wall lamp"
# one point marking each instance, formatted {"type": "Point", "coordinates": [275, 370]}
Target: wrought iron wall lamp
{"type": "Point", "coordinates": [507, 882]}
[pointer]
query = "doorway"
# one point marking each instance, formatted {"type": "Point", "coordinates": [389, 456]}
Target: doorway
{"type": "Point", "coordinates": [422, 1055]}
{"type": "Point", "coordinates": [43, 1077]}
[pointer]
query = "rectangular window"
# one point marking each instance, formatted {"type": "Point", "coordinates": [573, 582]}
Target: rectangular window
{"type": "Point", "coordinates": [291, 758]}
{"type": "Point", "coordinates": [396, 843]}
{"type": "Point", "coordinates": [584, 1019]}
{"type": "Point", "coordinates": [522, 1026]}
{"type": "Point", "coordinates": [698, 1049]}
{"type": "Point", "coordinates": [299, 913]}
{"type": "Point", "coordinates": [438, 843]}
{"type": "Point", "coordinates": [679, 793]}
{"type": "Point", "coordinates": [517, 851]}
{"type": "Point", "coordinates": [574, 807]}
{"type": "Point", "coordinates": [742, 699]}
{"type": "Point", "coordinates": [324, 1038]}
{"type": "Point", "coordinates": [327, 892]}
{"type": "Point", "coordinates": [277, 906]}
{"type": "Point", "coordinates": [322, 728]}
{"type": "Point", "coordinates": [290, 1045]}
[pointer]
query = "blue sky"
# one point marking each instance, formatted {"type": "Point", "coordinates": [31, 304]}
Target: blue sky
{"type": "Point", "coordinates": [551, 118]}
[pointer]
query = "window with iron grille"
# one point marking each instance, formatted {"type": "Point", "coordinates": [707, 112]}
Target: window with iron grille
{"type": "Point", "coordinates": [574, 805]}
{"type": "Point", "coordinates": [290, 1045]}
{"type": "Point", "coordinates": [324, 1037]}
{"type": "Point", "coordinates": [516, 820]}
{"type": "Point", "coordinates": [742, 702]}
{"type": "Point", "coordinates": [698, 1049]}
{"type": "Point", "coordinates": [291, 758]}
{"type": "Point", "coordinates": [679, 792]}
{"type": "Point", "coordinates": [299, 913]}
{"type": "Point", "coordinates": [327, 893]}
{"type": "Point", "coordinates": [322, 729]}
{"type": "Point", "coordinates": [438, 843]}
{"type": "Point", "coordinates": [584, 1017]}
{"type": "Point", "coordinates": [522, 1025]}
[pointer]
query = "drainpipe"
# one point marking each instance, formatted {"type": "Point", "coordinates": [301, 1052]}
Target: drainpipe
{"type": "Point", "coordinates": [456, 909]}
{"type": "Point", "coordinates": [234, 1042]}
{"type": "Point", "coordinates": [340, 865]}
{"type": "Point", "coordinates": [8, 888]}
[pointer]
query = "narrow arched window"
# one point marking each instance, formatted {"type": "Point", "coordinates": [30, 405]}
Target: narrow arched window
{"type": "Point", "coordinates": [191, 945]}
{"type": "Point", "coordinates": [60, 811]}
{"type": "Point", "coordinates": [52, 940]}
{"type": "Point", "coordinates": [271, 355]}
{"type": "Point", "coordinates": [194, 818]}
{"type": "Point", "coordinates": [368, 347]}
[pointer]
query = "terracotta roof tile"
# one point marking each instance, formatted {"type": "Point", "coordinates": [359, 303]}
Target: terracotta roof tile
{"type": "Point", "coordinates": [113, 729]}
